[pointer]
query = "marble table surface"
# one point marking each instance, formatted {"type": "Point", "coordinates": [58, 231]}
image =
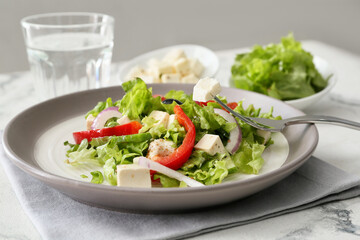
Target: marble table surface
{"type": "Point", "coordinates": [338, 146]}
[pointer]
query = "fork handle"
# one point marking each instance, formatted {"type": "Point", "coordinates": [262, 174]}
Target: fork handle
{"type": "Point", "coordinates": [323, 119]}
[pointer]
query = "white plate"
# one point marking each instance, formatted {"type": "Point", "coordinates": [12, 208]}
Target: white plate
{"type": "Point", "coordinates": [206, 56]}
{"type": "Point", "coordinates": [25, 147]}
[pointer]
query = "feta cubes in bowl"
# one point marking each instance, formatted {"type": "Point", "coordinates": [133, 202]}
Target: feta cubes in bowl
{"type": "Point", "coordinates": [175, 64]}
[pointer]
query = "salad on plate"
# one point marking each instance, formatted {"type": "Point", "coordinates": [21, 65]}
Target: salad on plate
{"type": "Point", "coordinates": [143, 141]}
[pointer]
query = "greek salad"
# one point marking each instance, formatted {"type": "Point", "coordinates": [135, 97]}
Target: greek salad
{"type": "Point", "coordinates": [176, 140]}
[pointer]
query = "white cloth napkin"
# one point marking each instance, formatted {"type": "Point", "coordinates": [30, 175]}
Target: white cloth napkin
{"type": "Point", "coordinates": [57, 216]}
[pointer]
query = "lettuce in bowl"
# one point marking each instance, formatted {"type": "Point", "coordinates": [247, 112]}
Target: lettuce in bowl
{"type": "Point", "coordinates": [284, 71]}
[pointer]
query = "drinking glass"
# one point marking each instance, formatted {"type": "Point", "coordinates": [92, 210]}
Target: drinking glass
{"type": "Point", "coordinates": [68, 52]}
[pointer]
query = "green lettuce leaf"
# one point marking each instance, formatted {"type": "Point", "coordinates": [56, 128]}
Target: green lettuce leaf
{"type": "Point", "coordinates": [150, 126]}
{"type": "Point", "coordinates": [248, 158]}
{"type": "Point", "coordinates": [179, 95]}
{"type": "Point", "coordinates": [81, 154]}
{"type": "Point", "coordinates": [175, 133]}
{"type": "Point", "coordinates": [166, 181]}
{"type": "Point", "coordinates": [138, 100]}
{"type": "Point", "coordinates": [110, 171]}
{"type": "Point", "coordinates": [206, 168]}
{"type": "Point", "coordinates": [97, 177]}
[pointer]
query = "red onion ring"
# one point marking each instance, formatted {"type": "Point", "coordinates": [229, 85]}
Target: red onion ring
{"type": "Point", "coordinates": [235, 135]}
{"type": "Point", "coordinates": [104, 115]}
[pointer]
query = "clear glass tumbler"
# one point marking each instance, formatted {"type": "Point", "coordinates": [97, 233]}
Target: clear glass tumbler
{"type": "Point", "coordinates": [68, 52]}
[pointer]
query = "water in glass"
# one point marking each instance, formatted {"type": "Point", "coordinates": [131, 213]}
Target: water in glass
{"type": "Point", "coordinates": [67, 62]}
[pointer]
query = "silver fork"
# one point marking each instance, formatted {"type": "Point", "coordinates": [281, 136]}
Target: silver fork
{"type": "Point", "coordinates": [279, 125]}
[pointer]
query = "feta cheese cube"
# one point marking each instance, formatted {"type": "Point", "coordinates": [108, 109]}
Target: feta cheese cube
{"type": "Point", "coordinates": [172, 118]}
{"type": "Point", "coordinates": [153, 62]}
{"type": "Point", "coordinates": [211, 144]}
{"type": "Point", "coordinates": [171, 78]}
{"type": "Point", "coordinates": [182, 66]}
{"type": "Point", "coordinates": [196, 67]}
{"type": "Point", "coordinates": [160, 69]}
{"type": "Point", "coordinates": [132, 175]}
{"type": "Point", "coordinates": [149, 79]}
{"type": "Point", "coordinates": [206, 89]}
{"type": "Point", "coordinates": [161, 117]}
{"type": "Point", "coordinates": [174, 55]}
{"type": "Point", "coordinates": [191, 78]}
{"type": "Point", "coordinates": [123, 120]}
{"type": "Point", "coordinates": [160, 148]}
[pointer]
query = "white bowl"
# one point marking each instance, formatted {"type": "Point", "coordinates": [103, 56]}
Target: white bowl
{"type": "Point", "coordinates": [206, 56]}
{"type": "Point", "coordinates": [325, 70]}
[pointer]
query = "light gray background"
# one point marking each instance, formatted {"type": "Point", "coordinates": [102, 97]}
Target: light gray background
{"type": "Point", "coordinates": [218, 24]}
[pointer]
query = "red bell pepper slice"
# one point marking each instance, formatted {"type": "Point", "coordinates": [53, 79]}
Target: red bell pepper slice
{"type": "Point", "coordinates": [231, 105]}
{"type": "Point", "coordinates": [182, 153]}
{"type": "Point", "coordinates": [202, 104]}
{"type": "Point", "coordinates": [125, 129]}
{"type": "Point", "coordinates": [158, 95]}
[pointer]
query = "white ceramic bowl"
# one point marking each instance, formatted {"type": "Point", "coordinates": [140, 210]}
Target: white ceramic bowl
{"type": "Point", "coordinates": [325, 70]}
{"type": "Point", "coordinates": [206, 56]}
